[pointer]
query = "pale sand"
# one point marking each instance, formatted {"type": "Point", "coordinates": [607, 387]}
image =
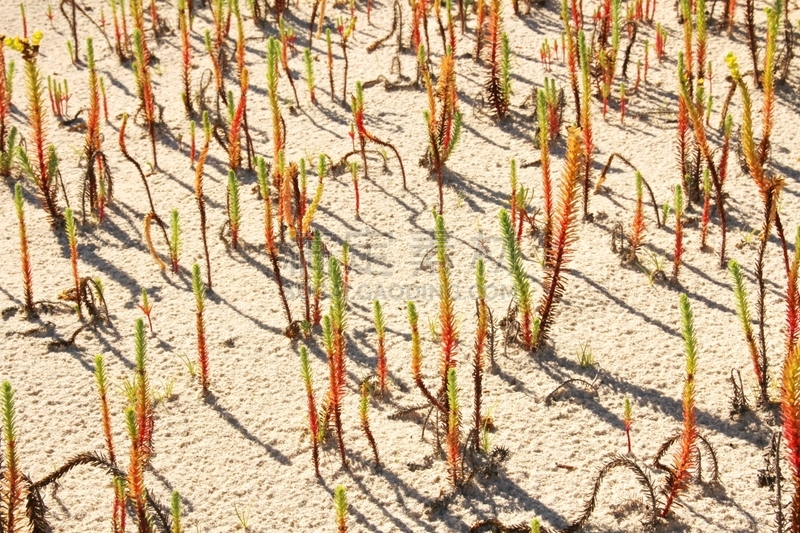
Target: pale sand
{"type": "Point", "coordinates": [247, 448]}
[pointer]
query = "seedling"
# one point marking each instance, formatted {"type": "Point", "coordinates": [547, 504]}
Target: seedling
{"type": "Point", "coordinates": [585, 356]}
{"type": "Point", "coordinates": [627, 419]}
{"type": "Point", "coordinates": [174, 242]}
{"type": "Point", "coordinates": [146, 307]}
{"type": "Point", "coordinates": [243, 516]}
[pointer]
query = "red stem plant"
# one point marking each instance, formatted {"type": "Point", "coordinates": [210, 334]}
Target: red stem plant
{"type": "Point", "coordinates": [447, 320]}
{"type": "Point", "coordinates": [97, 182]}
{"type": "Point", "coordinates": [24, 254]}
{"type": "Point", "coordinates": [793, 299]}
{"type": "Point", "coordinates": [198, 192]}
{"type": "Point", "coordinates": [706, 217]}
{"type": "Point", "coordinates": [478, 352]}
{"type": "Point", "coordinates": [758, 358]}
{"type": "Point", "coordinates": [105, 100]}
{"type": "Point", "coordinates": [586, 120]}
{"type": "Point", "coordinates": [480, 27]}
{"type": "Point", "coordinates": [364, 418]}
{"type": "Point", "coordinates": [13, 478]}
{"type": "Point", "coordinates": [72, 236]}
{"type": "Point", "coordinates": [292, 177]}
{"type": "Point", "coordinates": [186, 56]}
{"type": "Point", "coordinates": [496, 95]}
{"type": "Point", "coordinates": [135, 480]}
{"type": "Point", "coordinates": [309, 64]}
{"type": "Point", "coordinates": [380, 330]}
{"type": "Point", "coordinates": [278, 125]}
{"type": "Point", "coordinates": [695, 115]}
{"type": "Point", "coordinates": [317, 277]}
{"type": "Point", "coordinates": [5, 111]}
{"type": "Point", "coordinates": [345, 32]}
{"type": "Point", "coordinates": [564, 235]}
{"type": "Point", "coordinates": [122, 43]}
{"type": "Point", "coordinates": [216, 67]}
{"type": "Point", "coordinates": [330, 59]}
{"type": "Point", "coordinates": [790, 386]}
{"type": "Point", "coordinates": [333, 329]}
{"type": "Point", "coordinates": [287, 38]}
{"type": "Point", "coordinates": [234, 211]}
{"type": "Point", "coordinates": [627, 419]}
{"type": "Point", "coordinates": [143, 399]}
{"type": "Point", "coordinates": [442, 116]}
{"type": "Point", "coordinates": [677, 206]}
{"type": "Point", "coordinates": [357, 103]}
{"type": "Point", "coordinates": [59, 95]}
{"type": "Point", "coordinates": [144, 85]}
{"type": "Point", "coordinates": [680, 474]}
{"type": "Point", "coordinates": [269, 235]}
{"type": "Point", "coordinates": [454, 464]}
{"type": "Point", "coordinates": [44, 173]}
{"type": "Point", "coordinates": [522, 289]}
{"type": "Point", "coordinates": [174, 243]}
{"type": "Point", "coordinates": [638, 228]}
{"type": "Point", "coordinates": [544, 150]}
{"type": "Point", "coordinates": [340, 506]}
{"type": "Point", "coordinates": [572, 56]}
{"type": "Point", "coordinates": [416, 358]}
{"type": "Point", "coordinates": [790, 415]}
{"type": "Point", "coordinates": [152, 216]}
{"type": "Point", "coordinates": [118, 509]}
{"type": "Point", "coordinates": [202, 349]}
{"type": "Point", "coordinates": [313, 417]}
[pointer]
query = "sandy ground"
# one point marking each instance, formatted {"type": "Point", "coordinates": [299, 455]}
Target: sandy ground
{"type": "Point", "coordinates": [246, 447]}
